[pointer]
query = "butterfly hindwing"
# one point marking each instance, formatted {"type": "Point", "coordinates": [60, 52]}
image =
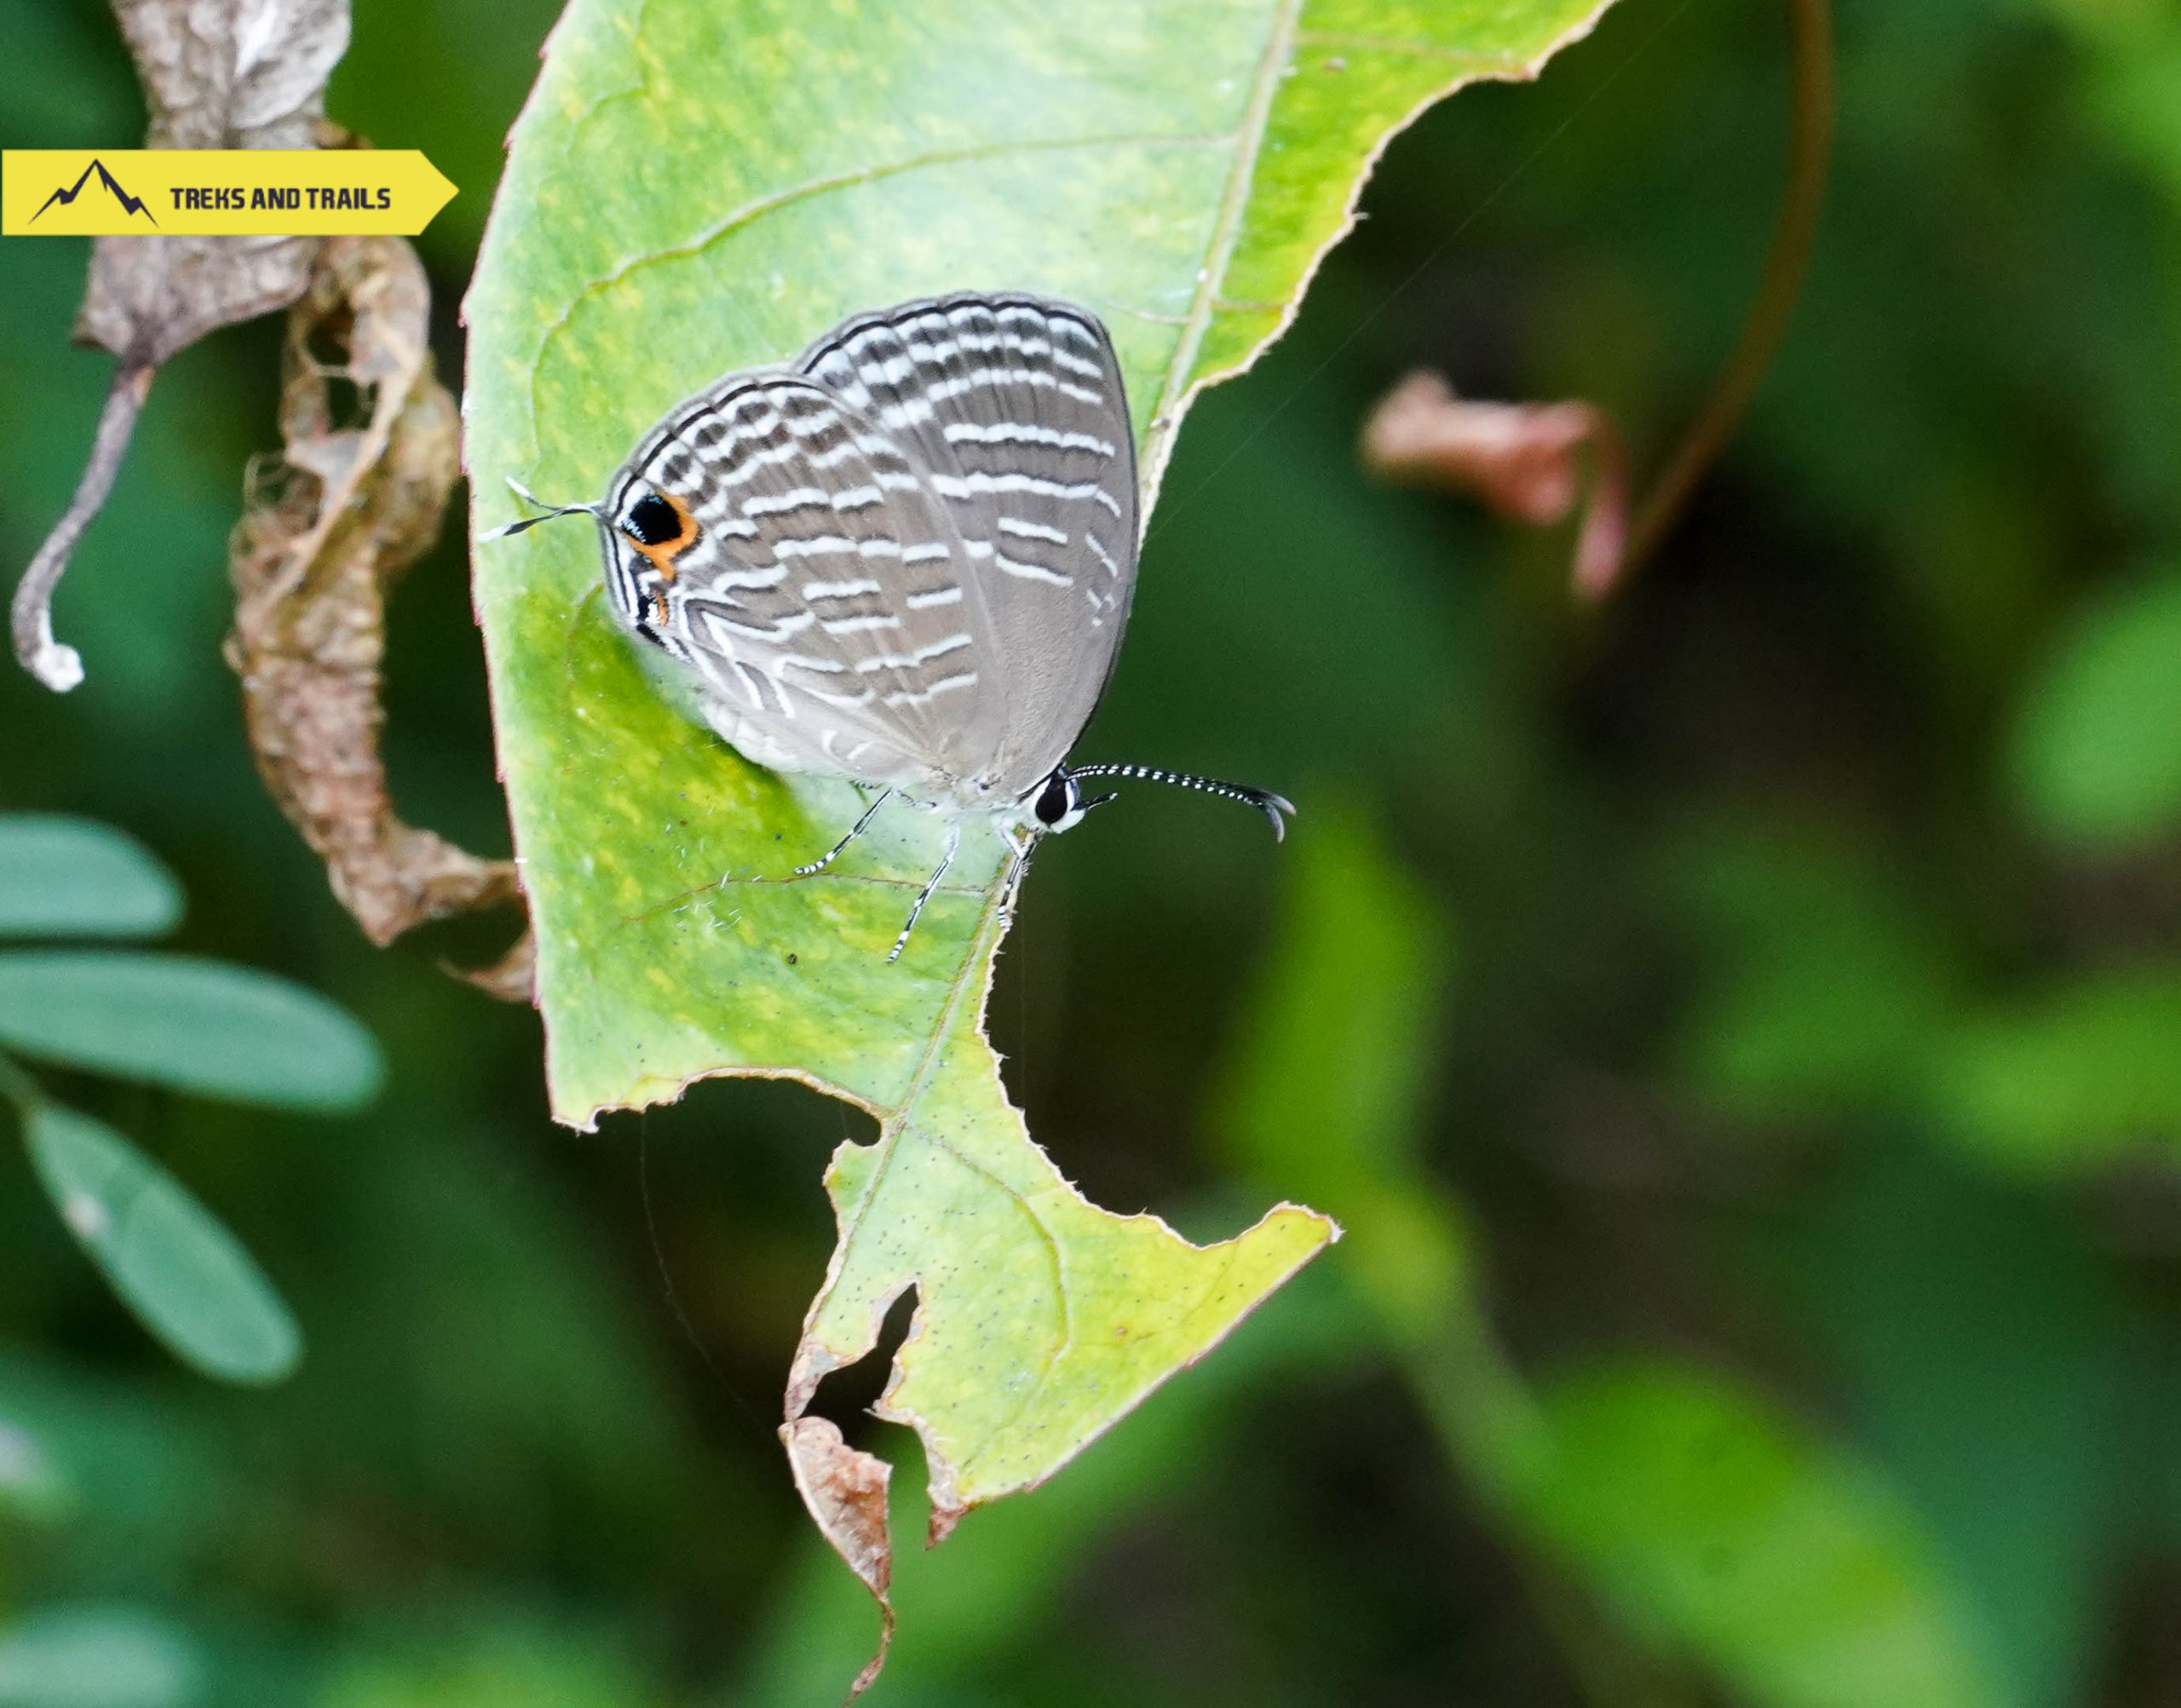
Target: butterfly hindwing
{"type": "Point", "coordinates": [1015, 409]}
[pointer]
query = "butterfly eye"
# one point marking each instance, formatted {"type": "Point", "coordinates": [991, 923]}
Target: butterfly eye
{"type": "Point", "coordinates": [652, 520]}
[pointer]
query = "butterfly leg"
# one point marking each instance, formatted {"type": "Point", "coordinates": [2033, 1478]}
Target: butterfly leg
{"type": "Point", "coordinates": [954, 846]}
{"type": "Point", "coordinates": [855, 829]}
{"type": "Point", "coordinates": [1018, 857]}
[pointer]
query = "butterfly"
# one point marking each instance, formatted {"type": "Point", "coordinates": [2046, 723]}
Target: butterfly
{"type": "Point", "coordinates": [904, 559]}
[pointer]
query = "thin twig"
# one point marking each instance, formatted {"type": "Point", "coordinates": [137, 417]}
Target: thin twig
{"type": "Point", "coordinates": [59, 667]}
{"type": "Point", "coordinates": [1810, 149]}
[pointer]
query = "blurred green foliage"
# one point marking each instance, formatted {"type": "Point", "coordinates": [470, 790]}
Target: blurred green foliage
{"type": "Point", "coordinates": [194, 1024]}
{"type": "Point", "coordinates": [1740, 1023]}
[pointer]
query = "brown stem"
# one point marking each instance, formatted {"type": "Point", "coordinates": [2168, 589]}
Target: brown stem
{"type": "Point", "coordinates": [59, 667]}
{"type": "Point", "coordinates": [1809, 148]}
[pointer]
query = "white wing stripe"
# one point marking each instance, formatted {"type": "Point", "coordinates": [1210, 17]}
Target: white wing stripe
{"type": "Point", "coordinates": [778, 503]}
{"type": "Point", "coordinates": [819, 546]}
{"type": "Point", "coordinates": [967, 485]}
{"type": "Point", "coordinates": [1025, 433]}
{"type": "Point", "coordinates": [909, 661]}
{"type": "Point", "coordinates": [832, 667]}
{"type": "Point", "coordinates": [1030, 571]}
{"type": "Point", "coordinates": [944, 685]}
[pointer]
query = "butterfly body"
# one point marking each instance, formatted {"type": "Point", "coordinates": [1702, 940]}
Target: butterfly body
{"type": "Point", "coordinates": [904, 559]}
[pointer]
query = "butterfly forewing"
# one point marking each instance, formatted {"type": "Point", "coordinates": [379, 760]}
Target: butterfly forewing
{"type": "Point", "coordinates": [1015, 407]}
{"type": "Point", "coordinates": [824, 600]}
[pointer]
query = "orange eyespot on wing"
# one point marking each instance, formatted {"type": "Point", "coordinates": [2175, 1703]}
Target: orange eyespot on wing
{"type": "Point", "coordinates": [654, 541]}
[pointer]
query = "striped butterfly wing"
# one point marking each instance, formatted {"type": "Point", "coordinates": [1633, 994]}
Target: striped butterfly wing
{"type": "Point", "coordinates": [1015, 407]}
{"type": "Point", "coordinates": [819, 593]}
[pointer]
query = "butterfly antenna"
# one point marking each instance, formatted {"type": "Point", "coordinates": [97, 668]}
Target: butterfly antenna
{"type": "Point", "coordinates": [1275, 807]}
{"type": "Point", "coordinates": [536, 502]}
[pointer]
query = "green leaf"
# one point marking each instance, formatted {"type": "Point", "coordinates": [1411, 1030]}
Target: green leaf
{"type": "Point", "coordinates": [1041, 1319]}
{"type": "Point", "coordinates": [98, 1657]}
{"type": "Point", "coordinates": [1991, 1353]}
{"type": "Point", "coordinates": [1711, 1526]}
{"type": "Point", "coordinates": [1177, 168]}
{"type": "Point", "coordinates": [172, 1263]}
{"type": "Point", "coordinates": [510, 1662]}
{"type": "Point", "coordinates": [1330, 1068]}
{"type": "Point", "coordinates": [992, 1594]}
{"type": "Point", "coordinates": [1822, 979]}
{"type": "Point", "coordinates": [197, 1026]}
{"type": "Point", "coordinates": [1717, 1524]}
{"type": "Point", "coordinates": [74, 878]}
{"type": "Point", "coordinates": [153, 1486]}
{"type": "Point", "coordinates": [2097, 753]}
{"type": "Point", "coordinates": [2068, 1080]}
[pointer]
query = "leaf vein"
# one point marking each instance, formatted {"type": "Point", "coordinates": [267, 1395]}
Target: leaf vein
{"type": "Point", "coordinates": [1226, 227]}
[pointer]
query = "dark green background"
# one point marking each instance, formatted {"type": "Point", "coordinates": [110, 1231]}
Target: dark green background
{"type": "Point", "coordinates": [1729, 867]}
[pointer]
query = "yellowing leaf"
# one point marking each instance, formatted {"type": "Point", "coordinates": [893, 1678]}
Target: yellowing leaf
{"type": "Point", "coordinates": [703, 185]}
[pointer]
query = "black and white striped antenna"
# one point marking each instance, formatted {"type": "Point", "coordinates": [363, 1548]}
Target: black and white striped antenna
{"type": "Point", "coordinates": [1275, 807]}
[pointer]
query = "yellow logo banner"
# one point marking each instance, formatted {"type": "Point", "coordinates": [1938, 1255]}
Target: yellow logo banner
{"type": "Point", "coordinates": [218, 192]}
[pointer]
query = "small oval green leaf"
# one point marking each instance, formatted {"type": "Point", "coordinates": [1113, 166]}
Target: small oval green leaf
{"type": "Point", "coordinates": [75, 877]}
{"type": "Point", "coordinates": [2097, 750]}
{"type": "Point", "coordinates": [197, 1026]}
{"type": "Point", "coordinates": [99, 1657]}
{"type": "Point", "coordinates": [173, 1262]}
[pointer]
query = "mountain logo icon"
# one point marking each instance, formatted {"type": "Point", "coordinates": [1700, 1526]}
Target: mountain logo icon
{"type": "Point", "coordinates": [130, 204]}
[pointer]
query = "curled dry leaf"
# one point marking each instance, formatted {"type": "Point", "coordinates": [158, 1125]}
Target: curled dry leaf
{"type": "Point", "coordinates": [327, 529]}
{"type": "Point", "coordinates": [216, 74]}
{"type": "Point", "coordinates": [513, 978]}
{"type": "Point", "coordinates": [845, 1491]}
{"type": "Point", "coordinates": [1522, 460]}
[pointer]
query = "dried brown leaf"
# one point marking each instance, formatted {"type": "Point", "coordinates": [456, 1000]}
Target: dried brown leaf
{"type": "Point", "coordinates": [845, 1491]}
{"type": "Point", "coordinates": [1523, 461]}
{"type": "Point", "coordinates": [513, 978]}
{"type": "Point", "coordinates": [327, 529]}
{"type": "Point", "coordinates": [216, 74]}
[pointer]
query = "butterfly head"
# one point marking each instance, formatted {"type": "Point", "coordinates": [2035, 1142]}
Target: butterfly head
{"type": "Point", "coordinates": [1059, 804]}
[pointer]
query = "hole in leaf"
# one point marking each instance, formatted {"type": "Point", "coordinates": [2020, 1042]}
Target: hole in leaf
{"type": "Point", "coordinates": [349, 406]}
{"type": "Point", "coordinates": [327, 341]}
{"type": "Point", "coordinates": [846, 1395]}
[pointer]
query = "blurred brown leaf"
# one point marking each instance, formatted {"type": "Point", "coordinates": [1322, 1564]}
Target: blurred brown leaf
{"type": "Point", "coordinates": [513, 978]}
{"type": "Point", "coordinates": [1523, 461]}
{"type": "Point", "coordinates": [327, 529]}
{"type": "Point", "coordinates": [216, 74]}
